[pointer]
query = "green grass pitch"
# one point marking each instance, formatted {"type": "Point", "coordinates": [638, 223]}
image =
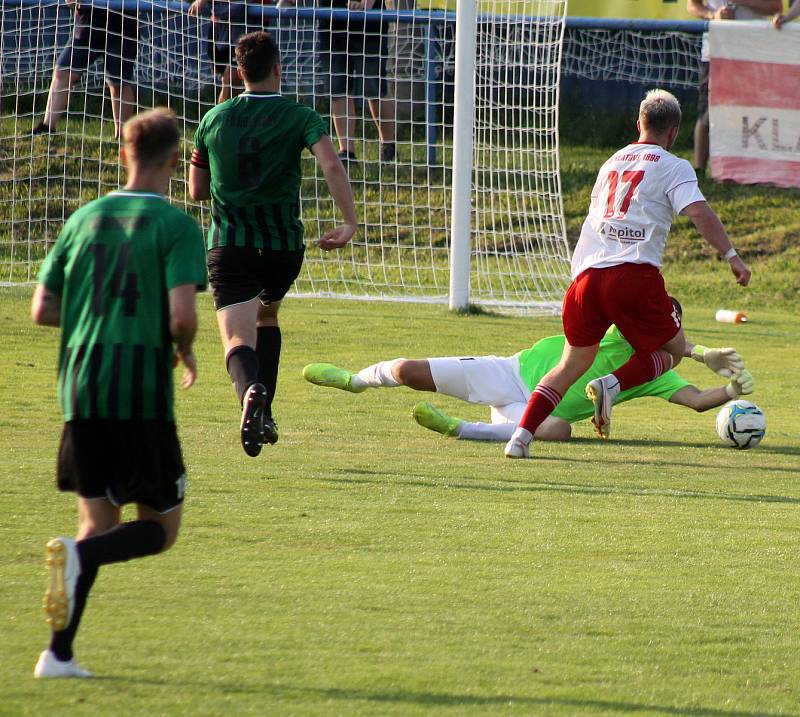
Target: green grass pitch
{"type": "Point", "coordinates": [364, 566]}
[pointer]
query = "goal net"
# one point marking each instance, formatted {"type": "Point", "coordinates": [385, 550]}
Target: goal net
{"type": "Point", "coordinates": [660, 58]}
{"type": "Point", "coordinates": [389, 94]}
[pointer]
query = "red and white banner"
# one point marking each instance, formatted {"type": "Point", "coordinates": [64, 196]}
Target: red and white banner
{"type": "Point", "coordinates": [754, 102]}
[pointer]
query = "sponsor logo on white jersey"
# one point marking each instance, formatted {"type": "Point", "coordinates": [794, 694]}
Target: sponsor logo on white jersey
{"type": "Point", "coordinates": [623, 234]}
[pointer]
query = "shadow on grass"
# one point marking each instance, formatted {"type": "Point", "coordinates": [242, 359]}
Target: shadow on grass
{"type": "Point", "coordinates": [506, 486]}
{"type": "Point", "coordinates": [446, 699]}
{"type": "Point", "coordinates": [650, 443]}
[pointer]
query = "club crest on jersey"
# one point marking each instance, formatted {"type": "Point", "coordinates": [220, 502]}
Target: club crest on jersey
{"type": "Point", "coordinates": [623, 234]}
{"type": "Point", "coordinates": [675, 317]}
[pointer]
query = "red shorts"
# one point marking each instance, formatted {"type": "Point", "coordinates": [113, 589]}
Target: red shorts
{"type": "Point", "coordinates": [632, 296]}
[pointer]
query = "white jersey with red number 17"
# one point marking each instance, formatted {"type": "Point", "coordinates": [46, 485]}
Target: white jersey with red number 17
{"type": "Point", "coordinates": [637, 193]}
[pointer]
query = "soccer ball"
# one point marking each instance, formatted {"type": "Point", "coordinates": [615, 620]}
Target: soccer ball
{"type": "Point", "coordinates": [741, 424]}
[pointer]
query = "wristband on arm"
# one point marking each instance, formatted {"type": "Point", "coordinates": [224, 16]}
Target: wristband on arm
{"type": "Point", "coordinates": [697, 353]}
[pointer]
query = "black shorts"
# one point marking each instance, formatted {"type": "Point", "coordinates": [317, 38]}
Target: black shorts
{"type": "Point", "coordinates": [100, 35]}
{"type": "Point", "coordinates": [224, 32]}
{"type": "Point", "coordinates": [124, 461]}
{"type": "Point", "coordinates": [241, 273]}
{"type": "Point", "coordinates": [358, 66]}
{"type": "Point", "coordinates": [702, 98]}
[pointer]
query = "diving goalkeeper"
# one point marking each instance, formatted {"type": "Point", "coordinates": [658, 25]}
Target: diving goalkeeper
{"type": "Point", "coordinates": [505, 384]}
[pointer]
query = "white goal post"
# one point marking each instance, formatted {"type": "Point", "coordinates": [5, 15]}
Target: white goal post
{"type": "Point", "coordinates": [468, 211]}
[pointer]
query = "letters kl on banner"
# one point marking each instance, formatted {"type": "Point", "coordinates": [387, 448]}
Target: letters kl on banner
{"type": "Point", "coordinates": [754, 99]}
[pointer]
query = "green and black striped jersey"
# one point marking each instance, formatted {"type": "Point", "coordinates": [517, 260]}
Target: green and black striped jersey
{"type": "Point", "coordinates": [113, 265]}
{"type": "Point", "coordinates": [252, 145]}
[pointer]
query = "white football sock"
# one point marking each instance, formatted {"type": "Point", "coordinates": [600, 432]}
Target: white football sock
{"type": "Point", "coordinates": [611, 386]}
{"type": "Point", "coordinates": [486, 431]}
{"type": "Point", "coordinates": [522, 434]}
{"type": "Point", "coordinates": [613, 391]}
{"type": "Point", "coordinates": [357, 382]}
{"type": "Point", "coordinates": [379, 375]}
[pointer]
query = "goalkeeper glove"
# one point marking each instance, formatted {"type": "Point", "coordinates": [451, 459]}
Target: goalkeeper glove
{"type": "Point", "coordinates": [725, 362]}
{"type": "Point", "coordinates": [741, 384]}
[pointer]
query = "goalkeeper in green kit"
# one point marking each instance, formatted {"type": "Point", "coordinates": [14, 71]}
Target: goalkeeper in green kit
{"type": "Point", "coordinates": [505, 384]}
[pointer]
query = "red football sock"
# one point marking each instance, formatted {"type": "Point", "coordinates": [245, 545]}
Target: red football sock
{"type": "Point", "coordinates": [642, 368]}
{"type": "Point", "coordinates": [541, 404]}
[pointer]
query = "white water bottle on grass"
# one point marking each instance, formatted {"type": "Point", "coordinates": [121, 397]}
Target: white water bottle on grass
{"type": "Point", "coordinates": [726, 316]}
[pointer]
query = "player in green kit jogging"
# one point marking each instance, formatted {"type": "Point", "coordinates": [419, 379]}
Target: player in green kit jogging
{"type": "Point", "coordinates": [505, 384]}
{"type": "Point", "coordinates": [120, 281]}
{"type": "Point", "coordinates": [247, 161]}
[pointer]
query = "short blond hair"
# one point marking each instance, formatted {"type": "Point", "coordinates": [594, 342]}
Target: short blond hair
{"type": "Point", "coordinates": [659, 111]}
{"type": "Point", "coordinates": [151, 137]}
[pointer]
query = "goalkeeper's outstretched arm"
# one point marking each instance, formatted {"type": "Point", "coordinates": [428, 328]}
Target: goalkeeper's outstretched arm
{"type": "Point", "coordinates": [725, 361]}
{"type": "Point", "coordinates": [702, 400]}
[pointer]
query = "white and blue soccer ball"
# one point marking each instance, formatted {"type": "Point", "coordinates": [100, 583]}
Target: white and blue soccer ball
{"type": "Point", "coordinates": [741, 424]}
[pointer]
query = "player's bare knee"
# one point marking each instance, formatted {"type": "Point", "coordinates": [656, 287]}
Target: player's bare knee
{"type": "Point", "coordinates": [268, 314]}
{"type": "Point", "coordinates": [414, 373]}
{"type": "Point", "coordinates": [405, 372]}
{"type": "Point", "coordinates": [64, 78]}
{"type": "Point", "coordinates": [170, 522]}
{"type": "Point", "coordinates": [90, 527]}
{"type": "Point", "coordinates": [553, 429]}
{"type": "Point", "coordinates": [675, 347]}
{"type": "Point", "coordinates": [96, 516]}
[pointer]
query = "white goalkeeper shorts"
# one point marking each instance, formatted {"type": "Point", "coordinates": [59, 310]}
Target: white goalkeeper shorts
{"type": "Point", "coordinates": [485, 380]}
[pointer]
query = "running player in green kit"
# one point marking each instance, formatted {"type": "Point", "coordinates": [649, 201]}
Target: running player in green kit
{"type": "Point", "coordinates": [120, 281]}
{"type": "Point", "coordinates": [505, 384]}
{"type": "Point", "coordinates": [247, 161]}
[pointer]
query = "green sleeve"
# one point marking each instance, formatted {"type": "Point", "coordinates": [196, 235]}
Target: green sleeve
{"type": "Point", "coordinates": [186, 255]}
{"type": "Point", "coordinates": [51, 274]}
{"type": "Point", "coordinates": [200, 152]}
{"type": "Point", "coordinates": [314, 128]}
{"type": "Point", "coordinates": [665, 386]}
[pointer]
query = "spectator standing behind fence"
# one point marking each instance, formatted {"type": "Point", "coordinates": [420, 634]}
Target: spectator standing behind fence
{"type": "Point", "coordinates": [98, 34]}
{"type": "Point", "coordinates": [779, 20]}
{"type": "Point", "coordinates": [229, 21]}
{"type": "Point", "coordinates": [719, 10]}
{"type": "Point", "coordinates": [357, 49]}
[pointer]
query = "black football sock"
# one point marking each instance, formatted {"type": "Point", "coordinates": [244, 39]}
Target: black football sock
{"type": "Point", "coordinates": [61, 641]}
{"type": "Point", "coordinates": [268, 348]}
{"type": "Point", "coordinates": [125, 542]}
{"type": "Point", "coordinates": [242, 365]}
